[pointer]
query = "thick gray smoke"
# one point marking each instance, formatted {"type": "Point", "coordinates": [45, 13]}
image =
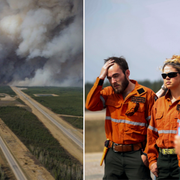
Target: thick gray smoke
{"type": "Point", "coordinates": [41, 42]}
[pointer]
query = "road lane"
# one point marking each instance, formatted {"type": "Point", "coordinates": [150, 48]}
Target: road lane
{"type": "Point", "coordinates": [12, 162]}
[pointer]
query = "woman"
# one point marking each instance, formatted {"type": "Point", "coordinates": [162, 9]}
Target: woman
{"type": "Point", "coordinates": [163, 161]}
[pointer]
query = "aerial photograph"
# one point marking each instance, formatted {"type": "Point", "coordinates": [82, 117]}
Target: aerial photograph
{"type": "Point", "coordinates": [41, 89]}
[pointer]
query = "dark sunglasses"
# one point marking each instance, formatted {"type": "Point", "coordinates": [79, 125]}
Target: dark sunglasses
{"type": "Point", "coordinates": [170, 75]}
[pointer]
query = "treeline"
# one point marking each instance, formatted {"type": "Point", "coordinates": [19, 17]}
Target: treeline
{"type": "Point", "coordinates": [69, 101]}
{"type": "Point", "coordinates": [7, 90]}
{"type": "Point", "coordinates": [41, 143]}
{"type": "Point", "coordinates": [155, 86]}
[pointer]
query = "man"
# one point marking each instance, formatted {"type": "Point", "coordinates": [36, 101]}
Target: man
{"type": "Point", "coordinates": [128, 108]}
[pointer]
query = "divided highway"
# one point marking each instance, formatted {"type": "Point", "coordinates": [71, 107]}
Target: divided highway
{"type": "Point", "coordinates": [13, 164]}
{"type": "Point", "coordinates": [66, 131]}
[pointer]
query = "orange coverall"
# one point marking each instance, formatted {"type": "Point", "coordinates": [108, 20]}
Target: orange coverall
{"type": "Point", "coordinates": [126, 119]}
{"type": "Point", "coordinates": [163, 126]}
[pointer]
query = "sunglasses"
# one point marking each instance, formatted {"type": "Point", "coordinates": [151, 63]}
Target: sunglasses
{"type": "Point", "coordinates": [170, 75]}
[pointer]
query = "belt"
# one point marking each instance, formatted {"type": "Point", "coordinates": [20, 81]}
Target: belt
{"type": "Point", "coordinates": [167, 151]}
{"type": "Point", "coordinates": [126, 147]}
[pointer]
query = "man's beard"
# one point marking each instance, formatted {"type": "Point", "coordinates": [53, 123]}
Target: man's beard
{"type": "Point", "coordinates": [121, 86]}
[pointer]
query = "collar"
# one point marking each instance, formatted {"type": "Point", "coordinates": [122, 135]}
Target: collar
{"type": "Point", "coordinates": [140, 90]}
{"type": "Point", "coordinates": [168, 96]}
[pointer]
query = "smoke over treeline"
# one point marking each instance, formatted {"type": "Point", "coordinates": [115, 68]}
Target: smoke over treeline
{"type": "Point", "coordinates": [41, 42]}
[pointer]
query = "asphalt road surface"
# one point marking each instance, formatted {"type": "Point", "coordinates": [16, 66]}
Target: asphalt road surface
{"type": "Point", "coordinates": [13, 164]}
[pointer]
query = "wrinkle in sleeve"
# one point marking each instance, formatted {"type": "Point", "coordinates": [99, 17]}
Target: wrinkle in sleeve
{"type": "Point", "coordinates": [95, 100]}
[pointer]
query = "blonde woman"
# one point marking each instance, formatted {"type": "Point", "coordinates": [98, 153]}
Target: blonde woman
{"type": "Point", "coordinates": [163, 161]}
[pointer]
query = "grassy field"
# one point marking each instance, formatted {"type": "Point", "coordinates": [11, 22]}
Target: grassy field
{"type": "Point", "coordinates": [69, 101]}
{"type": "Point", "coordinates": [94, 136]}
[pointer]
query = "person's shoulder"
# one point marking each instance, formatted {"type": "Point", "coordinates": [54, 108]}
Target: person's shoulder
{"type": "Point", "coordinates": [146, 89]}
{"type": "Point", "coordinates": [160, 99]}
{"type": "Point", "coordinates": [139, 86]}
{"type": "Point", "coordinates": [108, 89]}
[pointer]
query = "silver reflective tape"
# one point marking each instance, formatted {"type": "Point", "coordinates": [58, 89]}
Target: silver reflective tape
{"type": "Point", "coordinates": [148, 118]}
{"type": "Point", "coordinates": [152, 128]}
{"type": "Point", "coordinates": [126, 121]}
{"type": "Point", "coordinates": [103, 101]}
{"type": "Point", "coordinates": [167, 132]}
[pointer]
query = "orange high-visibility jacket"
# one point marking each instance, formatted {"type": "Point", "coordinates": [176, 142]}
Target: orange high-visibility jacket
{"type": "Point", "coordinates": [126, 119]}
{"type": "Point", "coordinates": [163, 126]}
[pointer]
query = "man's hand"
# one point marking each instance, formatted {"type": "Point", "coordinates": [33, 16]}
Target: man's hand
{"type": "Point", "coordinates": [154, 169]}
{"type": "Point", "coordinates": [145, 160]}
{"type": "Point", "coordinates": [104, 69]}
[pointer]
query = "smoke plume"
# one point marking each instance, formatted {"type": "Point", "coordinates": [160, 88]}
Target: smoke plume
{"type": "Point", "coordinates": [41, 42]}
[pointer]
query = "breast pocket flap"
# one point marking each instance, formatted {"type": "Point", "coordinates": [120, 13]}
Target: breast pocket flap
{"type": "Point", "coordinates": [159, 115]}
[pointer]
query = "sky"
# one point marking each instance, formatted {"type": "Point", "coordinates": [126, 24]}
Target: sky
{"type": "Point", "coordinates": [41, 42]}
{"type": "Point", "coordinates": [145, 32]}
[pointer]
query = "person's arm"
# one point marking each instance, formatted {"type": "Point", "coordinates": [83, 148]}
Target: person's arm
{"type": "Point", "coordinates": [161, 91]}
{"type": "Point", "coordinates": [152, 152]}
{"type": "Point", "coordinates": [177, 144]}
{"type": "Point", "coordinates": [96, 98]}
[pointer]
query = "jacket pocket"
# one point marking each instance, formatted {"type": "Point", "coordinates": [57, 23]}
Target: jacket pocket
{"type": "Point", "coordinates": [136, 110]}
{"type": "Point", "coordinates": [112, 103]}
{"type": "Point", "coordinates": [159, 119]}
{"type": "Point", "coordinates": [159, 115]}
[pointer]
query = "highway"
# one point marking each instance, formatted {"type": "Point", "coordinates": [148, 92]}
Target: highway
{"type": "Point", "coordinates": [13, 164]}
{"type": "Point", "coordinates": [66, 131]}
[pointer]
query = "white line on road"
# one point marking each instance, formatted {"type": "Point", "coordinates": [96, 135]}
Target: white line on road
{"type": "Point", "coordinates": [12, 162]}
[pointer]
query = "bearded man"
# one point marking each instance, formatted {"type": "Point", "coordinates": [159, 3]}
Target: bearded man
{"type": "Point", "coordinates": [128, 111]}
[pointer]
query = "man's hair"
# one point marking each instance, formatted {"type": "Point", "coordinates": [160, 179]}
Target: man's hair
{"type": "Point", "coordinates": [121, 61]}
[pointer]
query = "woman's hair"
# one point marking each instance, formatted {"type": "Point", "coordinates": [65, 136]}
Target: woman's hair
{"type": "Point", "coordinates": [174, 62]}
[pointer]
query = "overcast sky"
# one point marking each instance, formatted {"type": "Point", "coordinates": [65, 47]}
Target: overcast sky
{"type": "Point", "coordinates": [145, 32]}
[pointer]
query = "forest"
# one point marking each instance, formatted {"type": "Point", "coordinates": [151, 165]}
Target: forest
{"type": "Point", "coordinates": [37, 138]}
{"type": "Point", "coordinates": [69, 101]}
{"type": "Point", "coordinates": [41, 143]}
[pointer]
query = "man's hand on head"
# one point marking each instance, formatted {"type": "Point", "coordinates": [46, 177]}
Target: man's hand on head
{"type": "Point", "coordinates": [104, 69]}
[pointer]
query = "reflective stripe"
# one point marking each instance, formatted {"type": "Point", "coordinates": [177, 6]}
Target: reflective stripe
{"type": "Point", "coordinates": [152, 128]}
{"type": "Point", "coordinates": [126, 121]}
{"type": "Point", "coordinates": [162, 131]}
{"type": "Point", "coordinates": [167, 132]}
{"type": "Point", "coordinates": [103, 101]}
{"type": "Point", "coordinates": [148, 118]}
{"type": "Point", "coordinates": [178, 120]}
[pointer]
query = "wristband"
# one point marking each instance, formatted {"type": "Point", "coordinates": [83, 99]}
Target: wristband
{"type": "Point", "coordinates": [100, 82]}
